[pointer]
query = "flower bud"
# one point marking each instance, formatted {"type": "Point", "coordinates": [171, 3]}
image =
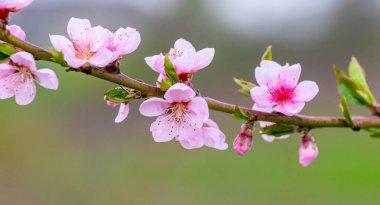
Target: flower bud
{"type": "Point", "coordinates": [308, 151]}
{"type": "Point", "coordinates": [243, 142]}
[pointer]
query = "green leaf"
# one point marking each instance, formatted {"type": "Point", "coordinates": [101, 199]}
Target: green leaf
{"type": "Point", "coordinates": [170, 71]}
{"type": "Point", "coordinates": [357, 74]}
{"type": "Point", "coordinates": [3, 57]}
{"type": "Point", "coordinates": [277, 130]}
{"type": "Point", "coordinates": [7, 49]}
{"type": "Point", "coordinates": [58, 57]}
{"type": "Point", "coordinates": [350, 90]}
{"type": "Point", "coordinates": [165, 84]}
{"type": "Point", "coordinates": [118, 95]}
{"type": "Point", "coordinates": [267, 54]}
{"type": "Point", "coordinates": [240, 115]}
{"type": "Point", "coordinates": [374, 131]}
{"type": "Point", "coordinates": [345, 110]}
{"type": "Point", "coordinates": [245, 86]}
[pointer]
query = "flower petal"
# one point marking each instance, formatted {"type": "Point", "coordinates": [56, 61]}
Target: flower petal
{"type": "Point", "coordinates": [214, 138]}
{"type": "Point", "coordinates": [17, 31]}
{"type": "Point", "coordinates": [71, 59]}
{"type": "Point", "coordinates": [102, 58]}
{"type": "Point", "coordinates": [123, 113]}
{"type": "Point", "coordinates": [289, 75]}
{"type": "Point", "coordinates": [261, 97]}
{"type": "Point", "coordinates": [46, 78]}
{"type": "Point", "coordinates": [199, 112]}
{"type": "Point", "coordinates": [156, 63]}
{"type": "Point", "coordinates": [6, 70]}
{"type": "Point", "coordinates": [162, 129]}
{"type": "Point", "coordinates": [204, 57]}
{"type": "Point", "coordinates": [153, 107]}
{"type": "Point", "coordinates": [179, 92]}
{"type": "Point", "coordinates": [60, 42]}
{"type": "Point", "coordinates": [290, 109]}
{"type": "Point", "coordinates": [184, 46]}
{"type": "Point", "coordinates": [78, 30]}
{"type": "Point", "coordinates": [8, 85]}
{"type": "Point", "coordinates": [25, 59]}
{"type": "Point", "coordinates": [99, 38]}
{"type": "Point", "coordinates": [25, 92]}
{"type": "Point", "coordinates": [305, 91]}
{"type": "Point", "coordinates": [267, 74]}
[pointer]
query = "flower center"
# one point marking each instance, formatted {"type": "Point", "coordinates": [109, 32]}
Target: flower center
{"type": "Point", "coordinates": [178, 110]}
{"type": "Point", "coordinates": [282, 93]}
{"type": "Point", "coordinates": [175, 54]}
{"type": "Point", "coordinates": [82, 52]}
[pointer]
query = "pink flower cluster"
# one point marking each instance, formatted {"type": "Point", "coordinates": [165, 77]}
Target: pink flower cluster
{"type": "Point", "coordinates": [96, 46]}
{"type": "Point", "coordinates": [17, 75]}
{"type": "Point", "coordinates": [185, 58]}
{"type": "Point", "coordinates": [183, 116]}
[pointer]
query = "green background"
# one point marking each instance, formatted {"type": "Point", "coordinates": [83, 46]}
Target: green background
{"type": "Point", "coordinates": [65, 149]}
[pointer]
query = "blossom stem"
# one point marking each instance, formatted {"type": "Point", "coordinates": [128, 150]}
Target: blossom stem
{"type": "Point", "coordinates": [150, 90]}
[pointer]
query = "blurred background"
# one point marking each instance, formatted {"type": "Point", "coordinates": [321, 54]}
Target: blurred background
{"type": "Point", "coordinates": [65, 149]}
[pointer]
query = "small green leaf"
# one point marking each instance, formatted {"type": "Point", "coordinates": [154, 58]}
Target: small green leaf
{"type": "Point", "coordinates": [240, 115]}
{"type": "Point", "coordinates": [345, 110]}
{"type": "Point", "coordinates": [277, 130]}
{"type": "Point", "coordinates": [58, 57]}
{"type": "Point", "coordinates": [118, 95]}
{"type": "Point", "coordinates": [3, 57]}
{"type": "Point", "coordinates": [170, 70]}
{"type": "Point", "coordinates": [357, 75]}
{"type": "Point", "coordinates": [7, 49]}
{"type": "Point", "coordinates": [267, 54]}
{"type": "Point", "coordinates": [350, 90]}
{"type": "Point", "coordinates": [245, 86]}
{"type": "Point", "coordinates": [374, 131]}
{"type": "Point", "coordinates": [165, 84]}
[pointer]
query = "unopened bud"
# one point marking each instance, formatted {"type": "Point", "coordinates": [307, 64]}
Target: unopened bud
{"type": "Point", "coordinates": [243, 142]}
{"type": "Point", "coordinates": [308, 151]}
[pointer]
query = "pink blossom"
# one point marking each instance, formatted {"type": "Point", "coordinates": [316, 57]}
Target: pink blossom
{"type": "Point", "coordinates": [88, 44]}
{"type": "Point", "coordinates": [180, 114]}
{"type": "Point", "coordinates": [17, 78]}
{"type": "Point", "coordinates": [308, 151]}
{"type": "Point", "coordinates": [123, 110]}
{"type": "Point", "coordinates": [16, 31]}
{"type": "Point", "coordinates": [279, 90]}
{"type": "Point", "coordinates": [125, 41]}
{"type": "Point", "coordinates": [243, 142]}
{"type": "Point", "coordinates": [265, 137]}
{"type": "Point", "coordinates": [209, 135]}
{"type": "Point", "coordinates": [184, 58]}
{"type": "Point", "coordinates": [7, 6]}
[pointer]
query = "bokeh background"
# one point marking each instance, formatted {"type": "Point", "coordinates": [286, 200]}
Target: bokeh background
{"type": "Point", "coordinates": [65, 149]}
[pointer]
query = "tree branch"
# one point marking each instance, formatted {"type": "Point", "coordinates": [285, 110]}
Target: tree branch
{"type": "Point", "coordinates": [150, 90]}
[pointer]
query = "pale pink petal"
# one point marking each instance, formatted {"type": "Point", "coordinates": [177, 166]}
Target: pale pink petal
{"type": "Point", "coordinates": [184, 46]}
{"type": "Point", "coordinates": [8, 85]}
{"type": "Point", "coordinates": [25, 92]}
{"type": "Point", "coordinates": [14, 4]}
{"type": "Point", "coordinates": [193, 142]}
{"type": "Point", "coordinates": [78, 30]}
{"type": "Point", "coordinates": [305, 91]}
{"type": "Point", "coordinates": [123, 113]}
{"type": "Point", "coordinates": [162, 130]}
{"type": "Point", "coordinates": [214, 138]}
{"type": "Point", "coordinates": [289, 75]}
{"type": "Point", "coordinates": [111, 104]}
{"type": "Point", "coordinates": [204, 57]}
{"type": "Point", "coordinates": [179, 92]}
{"type": "Point", "coordinates": [99, 38]}
{"type": "Point", "coordinates": [267, 74]}
{"type": "Point", "coordinates": [17, 31]}
{"type": "Point", "coordinates": [153, 107]}
{"type": "Point", "coordinates": [24, 59]}
{"type": "Point", "coordinates": [269, 138]}
{"type": "Point", "coordinates": [102, 58]}
{"type": "Point", "coordinates": [156, 63]}
{"type": "Point", "coordinates": [290, 109]}
{"type": "Point", "coordinates": [261, 97]}
{"type": "Point", "coordinates": [6, 70]}
{"type": "Point", "coordinates": [262, 109]}
{"type": "Point", "coordinates": [60, 42]}
{"type": "Point", "coordinates": [71, 59]}
{"type": "Point", "coordinates": [184, 63]}
{"type": "Point", "coordinates": [307, 154]}
{"type": "Point", "coordinates": [129, 40]}
{"type": "Point", "coordinates": [210, 123]}
{"type": "Point", "coordinates": [199, 112]}
{"type": "Point", "coordinates": [46, 78]}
